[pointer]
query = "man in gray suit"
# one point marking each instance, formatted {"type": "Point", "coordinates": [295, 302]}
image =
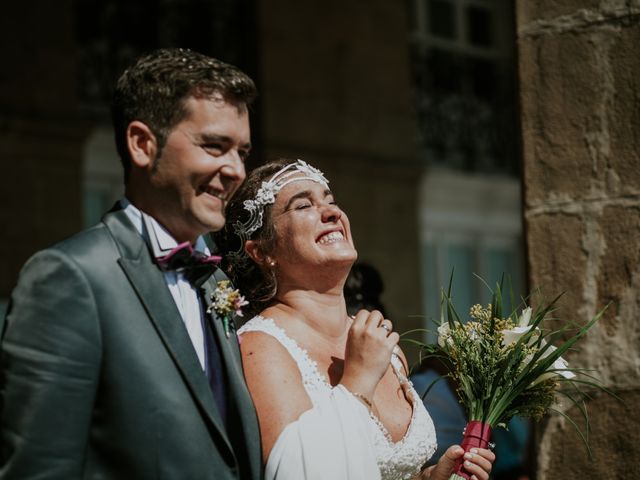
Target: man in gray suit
{"type": "Point", "coordinates": [112, 363]}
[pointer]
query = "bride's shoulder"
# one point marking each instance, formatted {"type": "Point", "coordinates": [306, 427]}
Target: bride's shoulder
{"type": "Point", "coordinates": [264, 344]}
{"type": "Point", "coordinates": [264, 323]}
{"type": "Point", "coordinates": [271, 372]}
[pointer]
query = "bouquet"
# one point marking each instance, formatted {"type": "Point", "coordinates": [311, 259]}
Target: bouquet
{"type": "Point", "coordinates": [506, 364]}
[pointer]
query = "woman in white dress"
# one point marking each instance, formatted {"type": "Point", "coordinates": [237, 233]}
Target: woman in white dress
{"type": "Point", "coordinates": [330, 390]}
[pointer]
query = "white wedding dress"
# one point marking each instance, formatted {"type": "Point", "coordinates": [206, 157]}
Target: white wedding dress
{"type": "Point", "coordinates": [339, 438]}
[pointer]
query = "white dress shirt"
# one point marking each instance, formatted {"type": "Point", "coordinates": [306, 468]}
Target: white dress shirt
{"type": "Point", "coordinates": [183, 293]}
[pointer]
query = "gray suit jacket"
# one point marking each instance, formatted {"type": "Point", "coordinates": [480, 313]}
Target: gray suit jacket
{"type": "Point", "coordinates": [99, 378]}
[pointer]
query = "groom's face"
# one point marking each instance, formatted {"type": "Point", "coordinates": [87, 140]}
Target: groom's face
{"type": "Point", "coordinates": [200, 167]}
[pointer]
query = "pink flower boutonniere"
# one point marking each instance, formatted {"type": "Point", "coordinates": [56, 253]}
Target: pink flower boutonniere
{"type": "Point", "coordinates": [225, 302]}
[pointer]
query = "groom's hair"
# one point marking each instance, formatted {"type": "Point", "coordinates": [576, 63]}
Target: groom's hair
{"type": "Point", "coordinates": [154, 91]}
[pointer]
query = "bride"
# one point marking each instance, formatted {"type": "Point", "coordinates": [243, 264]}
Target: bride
{"type": "Point", "coordinates": [330, 390]}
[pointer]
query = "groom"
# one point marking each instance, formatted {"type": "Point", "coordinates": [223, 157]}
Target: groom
{"type": "Point", "coordinates": [110, 365]}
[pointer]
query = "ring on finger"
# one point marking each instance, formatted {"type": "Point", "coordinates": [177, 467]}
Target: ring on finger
{"type": "Point", "coordinates": [385, 326]}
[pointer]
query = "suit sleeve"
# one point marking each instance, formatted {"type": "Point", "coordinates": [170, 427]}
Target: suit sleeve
{"type": "Point", "coordinates": [49, 368]}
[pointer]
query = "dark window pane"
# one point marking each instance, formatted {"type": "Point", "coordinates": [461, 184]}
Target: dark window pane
{"type": "Point", "coordinates": [484, 79]}
{"type": "Point", "coordinates": [111, 35]}
{"type": "Point", "coordinates": [480, 26]}
{"type": "Point", "coordinates": [442, 19]}
{"type": "Point", "coordinates": [466, 112]}
{"type": "Point", "coordinates": [445, 70]}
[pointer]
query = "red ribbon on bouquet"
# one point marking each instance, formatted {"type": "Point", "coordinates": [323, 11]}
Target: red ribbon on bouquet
{"type": "Point", "coordinates": [476, 435]}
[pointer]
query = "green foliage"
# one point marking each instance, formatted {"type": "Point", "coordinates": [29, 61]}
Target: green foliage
{"type": "Point", "coordinates": [506, 363]}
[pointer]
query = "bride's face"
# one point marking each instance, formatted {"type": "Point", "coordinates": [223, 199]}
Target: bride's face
{"type": "Point", "coordinates": [311, 230]}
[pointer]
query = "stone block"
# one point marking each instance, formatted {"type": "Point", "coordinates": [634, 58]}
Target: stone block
{"type": "Point", "coordinates": [560, 94]}
{"type": "Point", "coordinates": [620, 227]}
{"type": "Point", "coordinates": [624, 115]}
{"type": "Point", "coordinates": [534, 10]}
{"type": "Point", "coordinates": [614, 440]}
{"type": "Point", "coordinates": [557, 261]}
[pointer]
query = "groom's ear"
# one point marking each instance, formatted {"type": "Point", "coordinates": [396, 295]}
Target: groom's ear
{"type": "Point", "coordinates": [142, 144]}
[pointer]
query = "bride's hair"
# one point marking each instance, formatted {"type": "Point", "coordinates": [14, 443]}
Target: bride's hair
{"type": "Point", "coordinates": [257, 282]}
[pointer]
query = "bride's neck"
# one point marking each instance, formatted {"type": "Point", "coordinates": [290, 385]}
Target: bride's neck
{"type": "Point", "coordinates": [325, 312]}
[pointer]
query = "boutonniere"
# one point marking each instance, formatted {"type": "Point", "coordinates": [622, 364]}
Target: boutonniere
{"type": "Point", "coordinates": [226, 301]}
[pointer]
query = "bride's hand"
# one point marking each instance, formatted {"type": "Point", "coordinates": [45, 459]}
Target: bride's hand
{"type": "Point", "coordinates": [369, 346]}
{"type": "Point", "coordinates": [478, 462]}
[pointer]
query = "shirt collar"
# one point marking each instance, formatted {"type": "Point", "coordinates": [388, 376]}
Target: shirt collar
{"type": "Point", "coordinates": [158, 237]}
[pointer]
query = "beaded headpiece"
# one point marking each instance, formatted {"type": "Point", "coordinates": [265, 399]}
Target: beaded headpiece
{"type": "Point", "coordinates": [266, 195]}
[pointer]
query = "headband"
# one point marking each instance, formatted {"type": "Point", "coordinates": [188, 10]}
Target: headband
{"type": "Point", "coordinates": [266, 195]}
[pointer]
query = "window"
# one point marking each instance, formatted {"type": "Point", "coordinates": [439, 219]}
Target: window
{"type": "Point", "coordinates": [463, 65]}
{"type": "Point", "coordinates": [470, 224]}
{"type": "Point", "coordinates": [441, 19]}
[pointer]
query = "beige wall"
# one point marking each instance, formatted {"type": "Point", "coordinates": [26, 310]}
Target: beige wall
{"type": "Point", "coordinates": [580, 96]}
{"type": "Point", "coordinates": [335, 83]}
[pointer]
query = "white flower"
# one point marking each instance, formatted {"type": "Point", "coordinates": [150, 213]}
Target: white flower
{"type": "Point", "coordinates": [444, 334]}
{"type": "Point", "coordinates": [525, 317]}
{"type": "Point", "coordinates": [559, 366]}
{"type": "Point", "coordinates": [512, 335]}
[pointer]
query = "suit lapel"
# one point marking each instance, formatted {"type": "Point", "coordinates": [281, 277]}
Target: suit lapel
{"type": "Point", "coordinates": [228, 346]}
{"type": "Point", "coordinates": [238, 393]}
{"type": "Point", "coordinates": [149, 284]}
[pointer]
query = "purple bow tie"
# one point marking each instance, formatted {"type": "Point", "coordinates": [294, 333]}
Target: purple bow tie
{"type": "Point", "coordinates": [196, 266]}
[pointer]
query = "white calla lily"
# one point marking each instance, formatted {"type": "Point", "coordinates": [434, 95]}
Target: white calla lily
{"type": "Point", "coordinates": [512, 335]}
{"type": "Point", "coordinates": [559, 366]}
{"type": "Point", "coordinates": [525, 317]}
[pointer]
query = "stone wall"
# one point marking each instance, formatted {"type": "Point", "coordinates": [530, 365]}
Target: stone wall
{"type": "Point", "coordinates": [579, 67]}
{"type": "Point", "coordinates": [335, 90]}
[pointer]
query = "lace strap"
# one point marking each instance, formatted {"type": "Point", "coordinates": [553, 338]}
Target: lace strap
{"type": "Point", "coordinates": [398, 366]}
{"type": "Point", "coordinates": [308, 368]}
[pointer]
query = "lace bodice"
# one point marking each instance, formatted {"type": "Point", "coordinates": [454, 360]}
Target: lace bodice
{"type": "Point", "coordinates": [399, 460]}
